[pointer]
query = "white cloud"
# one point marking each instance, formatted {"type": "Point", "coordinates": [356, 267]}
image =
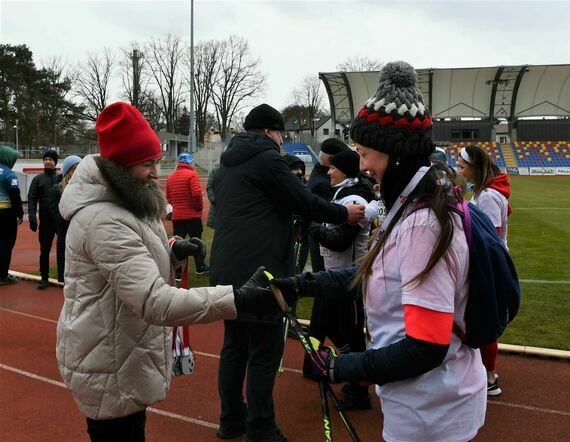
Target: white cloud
{"type": "Point", "coordinates": [298, 38]}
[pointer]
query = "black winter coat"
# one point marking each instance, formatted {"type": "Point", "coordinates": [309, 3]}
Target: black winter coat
{"type": "Point", "coordinates": [256, 196]}
{"type": "Point", "coordinates": [39, 192]}
{"type": "Point", "coordinates": [319, 182]}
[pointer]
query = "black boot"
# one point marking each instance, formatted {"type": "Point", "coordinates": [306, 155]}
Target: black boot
{"type": "Point", "coordinates": [44, 284]}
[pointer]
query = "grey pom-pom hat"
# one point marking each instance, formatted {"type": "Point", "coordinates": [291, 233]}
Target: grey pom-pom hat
{"type": "Point", "coordinates": [395, 119]}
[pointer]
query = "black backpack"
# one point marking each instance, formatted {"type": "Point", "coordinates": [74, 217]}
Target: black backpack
{"type": "Point", "coordinates": [494, 291]}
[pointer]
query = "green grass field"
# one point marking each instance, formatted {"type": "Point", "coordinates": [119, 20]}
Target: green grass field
{"type": "Point", "coordinates": [539, 240]}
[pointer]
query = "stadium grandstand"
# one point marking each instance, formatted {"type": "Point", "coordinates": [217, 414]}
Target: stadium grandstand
{"type": "Point", "coordinates": [519, 114]}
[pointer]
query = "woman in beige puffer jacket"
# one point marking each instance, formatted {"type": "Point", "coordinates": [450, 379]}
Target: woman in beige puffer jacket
{"type": "Point", "coordinates": [114, 341]}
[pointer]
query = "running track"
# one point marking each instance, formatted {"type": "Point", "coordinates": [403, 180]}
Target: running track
{"type": "Point", "coordinates": [34, 405]}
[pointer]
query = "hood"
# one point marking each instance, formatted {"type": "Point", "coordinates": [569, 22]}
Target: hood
{"type": "Point", "coordinates": [244, 146]}
{"type": "Point", "coordinates": [8, 156]}
{"type": "Point", "coordinates": [357, 187]}
{"type": "Point", "coordinates": [502, 185]}
{"type": "Point", "coordinates": [98, 180]}
{"type": "Point", "coordinates": [86, 187]}
{"type": "Point", "coordinates": [293, 161]}
{"type": "Point", "coordinates": [185, 166]}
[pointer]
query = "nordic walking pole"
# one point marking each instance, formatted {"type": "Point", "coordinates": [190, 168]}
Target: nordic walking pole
{"type": "Point", "coordinates": [310, 350]}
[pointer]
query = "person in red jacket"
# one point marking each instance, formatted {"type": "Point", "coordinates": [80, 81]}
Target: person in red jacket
{"type": "Point", "coordinates": [184, 193]}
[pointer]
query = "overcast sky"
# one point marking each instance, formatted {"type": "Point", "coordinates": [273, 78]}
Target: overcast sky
{"type": "Point", "coordinates": [293, 39]}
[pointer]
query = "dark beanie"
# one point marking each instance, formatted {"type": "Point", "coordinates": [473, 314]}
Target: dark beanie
{"type": "Point", "coordinates": [293, 161]}
{"type": "Point", "coordinates": [348, 162]}
{"type": "Point", "coordinates": [395, 120]}
{"type": "Point", "coordinates": [50, 153]}
{"type": "Point", "coordinates": [332, 146]}
{"type": "Point", "coordinates": [264, 117]}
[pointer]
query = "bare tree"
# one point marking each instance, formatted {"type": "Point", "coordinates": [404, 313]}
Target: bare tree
{"type": "Point", "coordinates": [237, 80]}
{"type": "Point", "coordinates": [309, 98]}
{"type": "Point", "coordinates": [206, 66]}
{"type": "Point", "coordinates": [91, 82]}
{"type": "Point", "coordinates": [57, 112]}
{"type": "Point", "coordinates": [164, 61]}
{"type": "Point", "coordinates": [359, 63]}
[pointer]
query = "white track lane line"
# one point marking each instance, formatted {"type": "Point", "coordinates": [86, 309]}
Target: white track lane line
{"type": "Point", "coordinates": [210, 355]}
{"type": "Point", "coordinates": [151, 409]}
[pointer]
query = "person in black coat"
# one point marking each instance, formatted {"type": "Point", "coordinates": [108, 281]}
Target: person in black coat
{"type": "Point", "coordinates": [38, 194]}
{"type": "Point", "coordinates": [67, 169]}
{"type": "Point", "coordinates": [256, 197]}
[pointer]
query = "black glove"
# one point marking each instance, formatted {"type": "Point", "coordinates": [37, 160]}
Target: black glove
{"type": "Point", "coordinates": [290, 288]}
{"type": "Point", "coordinates": [254, 297]}
{"type": "Point", "coordinates": [33, 224]}
{"type": "Point", "coordinates": [323, 362]}
{"type": "Point", "coordinates": [184, 248]}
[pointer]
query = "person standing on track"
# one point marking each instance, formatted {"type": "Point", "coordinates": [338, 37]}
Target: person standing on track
{"type": "Point", "coordinates": [414, 278]}
{"type": "Point", "coordinates": [184, 193]}
{"type": "Point", "coordinates": [491, 192]}
{"type": "Point", "coordinates": [114, 341]}
{"type": "Point", "coordinates": [11, 211]}
{"type": "Point", "coordinates": [38, 194]}
{"type": "Point", "coordinates": [67, 169]}
{"type": "Point", "coordinates": [256, 197]}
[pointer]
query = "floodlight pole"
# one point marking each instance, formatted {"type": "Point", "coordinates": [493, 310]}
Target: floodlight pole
{"type": "Point", "coordinates": [191, 130]}
{"type": "Point", "coordinates": [16, 127]}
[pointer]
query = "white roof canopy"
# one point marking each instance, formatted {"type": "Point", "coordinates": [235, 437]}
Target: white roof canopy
{"type": "Point", "coordinates": [508, 92]}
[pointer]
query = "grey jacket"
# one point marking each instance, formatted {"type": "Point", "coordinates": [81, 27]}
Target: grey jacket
{"type": "Point", "coordinates": [113, 335]}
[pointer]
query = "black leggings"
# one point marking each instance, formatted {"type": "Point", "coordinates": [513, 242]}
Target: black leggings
{"type": "Point", "coordinates": [121, 429]}
{"type": "Point", "coordinates": [8, 233]}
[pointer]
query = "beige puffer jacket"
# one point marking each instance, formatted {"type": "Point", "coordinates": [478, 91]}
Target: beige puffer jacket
{"type": "Point", "coordinates": [113, 340]}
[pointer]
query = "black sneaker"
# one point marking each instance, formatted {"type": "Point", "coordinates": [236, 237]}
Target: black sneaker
{"type": "Point", "coordinates": [203, 270]}
{"type": "Point", "coordinates": [231, 431]}
{"type": "Point", "coordinates": [8, 280]}
{"type": "Point", "coordinates": [269, 436]}
{"type": "Point", "coordinates": [494, 389]}
{"type": "Point", "coordinates": [44, 284]}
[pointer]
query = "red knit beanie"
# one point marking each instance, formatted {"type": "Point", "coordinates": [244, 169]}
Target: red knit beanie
{"type": "Point", "coordinates": [125, 136]}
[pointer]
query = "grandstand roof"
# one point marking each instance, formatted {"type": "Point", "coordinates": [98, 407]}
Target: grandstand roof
{"type": "Point", "coordinates": [509, 92]}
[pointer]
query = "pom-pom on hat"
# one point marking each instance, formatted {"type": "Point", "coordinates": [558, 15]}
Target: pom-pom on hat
{"type": "Point", "coordinates": [395, 120]}
{"type": "Point", "coordinates": [185, 158]}
{"type": "Point", "coordinates": [264, 117]}
{"type": "Point", "coordinates": [332, 146]}
{"type": "Point", "coordinates": [125, 136]}
{"type": "Point", "coordinates": [50, 153]}
{"type": "Point", "coordinates": [68, 163]}
{"type": "Point", "coordinates": [348, 162]}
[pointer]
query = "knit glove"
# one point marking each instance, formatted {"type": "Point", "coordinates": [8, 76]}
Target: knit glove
{"type": "Point", "coordinates": [184, 248]}
{"type": "Point", "coordinates": [290, 288]}
{"type": "Point", "coordinates": [33, 224]}
{"type": "Point", "coordinates": [255, 298]}
{"type": "Point", "coordinates": [323, 362]}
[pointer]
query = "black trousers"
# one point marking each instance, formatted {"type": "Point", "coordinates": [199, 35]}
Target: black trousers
{"type": "Point", "coordinates": [317, 261]}
{"type": "Point", "coordinates": [47, 231]}
{"type": "Point", "coordinates": [255, 349]}
{"type": "Point", "coordinates": [61, 233]}
{"type": "Point", "coordinates": [192, 228]}
{"type": "Point", "coordinates": [8, 234]}
{"type": "Point", "coordinates": [122, 429]}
